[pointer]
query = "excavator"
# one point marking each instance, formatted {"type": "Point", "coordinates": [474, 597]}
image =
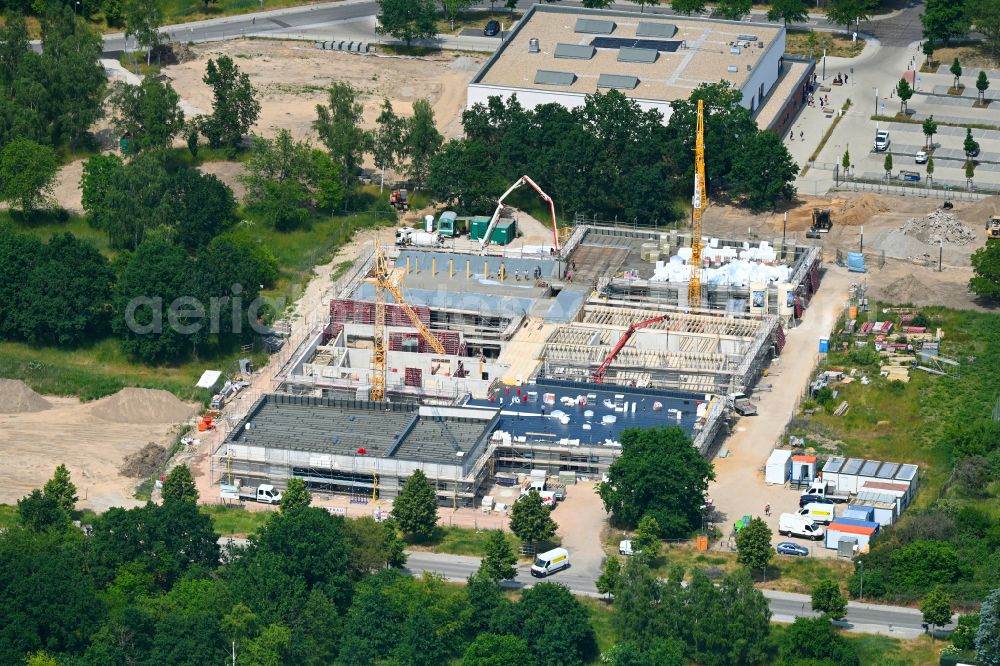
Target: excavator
{"type": "Point", "coordinates": [993, 228]}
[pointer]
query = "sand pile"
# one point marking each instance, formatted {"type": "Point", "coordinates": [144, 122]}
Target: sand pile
{"type": "Point", "coordinates": [937, 226]}
{"type": "Point", "coordinates": [139, 405]}
{"type": "Point", "coordinates": [17, 398]}
{"type": "Point", "coordinates": [903, 291]}
{"type": "Point", "coordinates": [978, 213]}
{"type": "Point", "coordinates": [857, 211]}
{"type": "Point", "coordinates": [145, 462]}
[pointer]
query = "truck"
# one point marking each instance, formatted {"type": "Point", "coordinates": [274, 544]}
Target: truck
{"type": "Point", "coordinates": [820, 488]}
{"type": "Point", "coordinates": [412, 237]}
{"type": "Point", "coordinates": [549, 562]}
{"type": "Point", "coordinates": [397, 199]}
{"type": "Point", "coordinates": [792, 524]}
{"type": "Point", "coordinates": [742, 405]}
{"type": "Point", "coordinates": [265, 493]}
{"type": "Point", "coordinates": [819, 512]}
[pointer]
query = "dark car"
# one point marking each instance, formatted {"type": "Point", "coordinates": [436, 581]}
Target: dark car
{"type": "Point", "coordinates": [814, 499]}
{"type": "Point", "coordinates": [975, 150]}
{"type": "Point", "coordinates": [492, 28]}
{"type": "Point", "coordinates": [789, 548]}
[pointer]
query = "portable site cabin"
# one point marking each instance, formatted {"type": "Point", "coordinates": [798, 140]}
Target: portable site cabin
{"type": "Point", "coordinates": [850, 474]}
{"type": "Point", "coordinates": [862, 530]}
{"type": "Point", "coordinates": [803, 468]}
{"type": "Point", "coordinates": [778, 467]}
{"type": "Point", "coordinates": [842, 473]}
{"type": "Point", "coordinates": [446, 224]}
{"type": "Point", "coordinates": [859, 513]}
{"type": "Point", "coordinates": [884, 508]}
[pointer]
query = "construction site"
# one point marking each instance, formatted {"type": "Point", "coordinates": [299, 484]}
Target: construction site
{"type": "Point", "coordinates": [476, 356]}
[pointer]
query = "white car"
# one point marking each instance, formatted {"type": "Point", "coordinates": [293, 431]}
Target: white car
{"type": "Point", "coordinates": [882, 141]}
{"type": "Point", "coordinates": [920, 157]}
{"type": "Point", "coordinates": [625, 547]}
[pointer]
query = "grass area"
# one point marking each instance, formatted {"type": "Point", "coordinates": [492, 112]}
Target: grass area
{"type": "Point", "coordinates": [47, 223]}
{"type": "Point", "coordinates": [476, 20]}
{"type": "Point", "coordinates": [461, 541]}
{"type": "Point", "coordinates": [973, 57]}
{"type": "Point", "coordinates": [403, 50]}
{"type": "Point", "coordinates": [812, 44]}
{"type": "Point", "coordinates": [601, 619]}
{"type": "Point", "coordinates": [873, 649]}
{"type": "Point", "coordinates": [8, 515]}
{"type": "Point", "coordinates": [234, 521]}
{"type": "Point", "coordinates": [135, 62]}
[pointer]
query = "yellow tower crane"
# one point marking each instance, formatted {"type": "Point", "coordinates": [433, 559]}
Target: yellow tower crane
{"type": "Point", "coordinates": [698, 203]}
{"type": "Point", "coordinates": [384, 282]}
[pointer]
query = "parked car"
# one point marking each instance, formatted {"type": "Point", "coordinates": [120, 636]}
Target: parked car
{"type": "Point", "coordinates": [625, 547]}
{"type": "Point", "coordinates": [909, 176]}
{"type": "Point", "coordinates": [882, 141]}
{"type": "Point", "coordinates": [813, 499]}
{"type": "Point", "coordinates": [975, 150]}
{"type": "Point", "coordinates": [920, 157]}
{"type": "Point", "coordinates": [492, 28]}
{"type": "Point", "coordinates": [789, 548]}
{"type": "Point", "coordinates": [792, 524]}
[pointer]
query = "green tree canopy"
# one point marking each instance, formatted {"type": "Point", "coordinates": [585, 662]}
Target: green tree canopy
{"type": "Point", "coordinates": [234, 107]}
{"type": "Point", "coordinates": [338, 124]}
{"type": "Point", "coordinates": [610, 576]}
{"type": "Point", "coordinates": [887, 165]}
{"type": "Point", "coordinates": [38, 511]}
{"type": "Point", "coordinates": [497, 650]}
{"type": "Point", "coordinates": [61, 488]}
{"type": "Point", "coordinates": [734, 10]}
{"type": "Point", "coordinates": [982, 85]}
{"type": "Point", "coordinates": [423, 141]}
{"type": "Point", "coordinates": [753, 544]}
{"type": "Point", "coordinates": [554, 624]}
{"type": "Point", "coordinates": [416, 507]}
{"type": "Point", "coordinates": [388, 140]}
{"type": "Point", "coordinates": [764, 173]}
{"type": "Point", "coordinates": [295, 496]}
{"type": "Point", "coordinates": [407, 19]}
{"type": "Point", "coordinates": [956, 70]}
{"type": "Point", "coordinates": [905, 92]}
{"type": "Point", "coordinates": [936, 608]}
{"type": "Point", "coordinates": [499, 561]}
{"type": "Point", "coordinates": [374, 545]}
{"type": "Point", "coordinates": [985, 14]}
{"type": "Point", "coordinates": [827, 599]}
{"type": "Point", "coordinates": [787, 11]}
{"type": "Point", "coordinates": [929, 127]}
{"type": "Point", "coordinates": [143, 19]}
{"type": "Point", "coordinates": [988, 633]}
{"type": "Point", "coordinates": [179, 486]}
{"type": "Point", "coordinates": [531, 520]}
{"type": "Point", "coordinates": [149, 114]}
{"type": "Point", "coordinates": [646, 540]}
{"type": "Point", "coordinates": [845, 12]}
{"type": "Point", "coordinates": [27, 174]}
{"type": "Point", "coordinates": [815, 641]}
{"type": "Point", "coordinates": [688, 7]}
{"type": "Point", "coordinates": [660, 474]}
{"type": "Point", "coordinates": [943, 21]}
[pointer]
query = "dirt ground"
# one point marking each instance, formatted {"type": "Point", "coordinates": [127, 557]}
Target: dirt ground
{"type": "Point", "coordinates": [292, 78]}
{"type": "Point", "coordinates": [582, 521]}
{"type": "Point", "coordinates": [32, 444]}
{"type": "Point", "coordinates": [910, 272]}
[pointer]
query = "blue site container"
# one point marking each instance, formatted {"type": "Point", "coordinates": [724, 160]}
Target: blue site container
{"type": "Point", "coordinates": [824, 345]}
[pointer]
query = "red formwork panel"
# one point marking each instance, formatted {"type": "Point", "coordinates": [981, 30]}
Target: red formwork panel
{"type": "Point", "coordinates": [413, 377]}
{"type": "Point", "coordinates": [451, 340]}
{"type": "Point", "coordinates": [348, 310]}
{"type": "Point", "coordinates": [331, 332]}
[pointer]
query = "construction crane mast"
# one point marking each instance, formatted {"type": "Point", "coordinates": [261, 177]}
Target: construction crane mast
{"type": "Point", "coordinates": [698, 202]}
{"type": "Point", "coordinates": [384, 282]}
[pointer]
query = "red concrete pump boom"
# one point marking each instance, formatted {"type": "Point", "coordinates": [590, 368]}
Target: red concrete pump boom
{"type": "Point", "coordinates": [606, 363]}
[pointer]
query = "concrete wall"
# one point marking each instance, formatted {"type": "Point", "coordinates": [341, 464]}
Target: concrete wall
{"type": "Point", "coordinates": [480, 93]}
{"type": "Point", "coordinates": [766, 72]}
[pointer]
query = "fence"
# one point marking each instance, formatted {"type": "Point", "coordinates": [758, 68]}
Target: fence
{"type": "Point", "coordinates": [871, 258]}
{"type": "Point", "coordinates": [909, 191]}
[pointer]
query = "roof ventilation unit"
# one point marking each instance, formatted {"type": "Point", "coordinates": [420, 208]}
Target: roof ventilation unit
{"type": "Point", "coordinates": [533, 45]}
{"type": "Point", "coordinates": [732, 69]}
{"type": "Point", "coordinates": [735, 50]}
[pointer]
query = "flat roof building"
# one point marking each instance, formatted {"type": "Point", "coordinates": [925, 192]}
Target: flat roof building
{"type": "Point", "coordinates": [562, 54]}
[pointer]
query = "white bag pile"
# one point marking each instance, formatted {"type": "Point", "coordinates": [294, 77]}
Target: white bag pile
{"type": "Point", "coordinates": [740, 268]}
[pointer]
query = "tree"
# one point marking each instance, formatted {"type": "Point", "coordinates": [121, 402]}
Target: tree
{"type": "Point", "coordinates": [642, 4]}
{"type": "Point", "coordinates": [38, 511]}
{"type": "Point", "coordinates": [764, 174]}
{"type": "Point", "coordinates": [956, 71]}
{"type": "Point", "coordinates": [61, 488]}
{"type": "Point", "coordinates": [928, 50]}
{"type": "Point", "coordinates": [423, 141]}
{"type": "Point", "coordinates": [845, 161]}
{"type": "Point", "coordinates": [887, 166]}
{"type": "Point", "coordinates": [647, 538]}
{"type": "Point", "coordinates": [202, 207]}
{"type": "Point", "coordinates": [930, 168]}
{"type": "Point", "coordinates": [530, 520]}
{"type": "Point", "coordinates": [982, 85]}
{"type": "Point", "coordinates": [416, 507]}
{"type": "Point", "coordinates": [688, 7]}
{"type": "Point", "coordinates": [234, 104]}
{"type": "Point", "coordinates": [734, 10]}
{"type": "Point", "coordinates": [944, 20]}
{"type": "Point", "coordinates": [970, 171]}
{"type": "Point", "coordinates": [985, 14]}
{"type": "Point", "coordinates": [554, 624]}
{"type": "Point", "coordinates": [988, 633]}
{"type": "Point", "coordinates": [658, 473]}
{"type": "Point", "coordinates": [27, 173]}
{"type": "Point", "coordinates": [608, 581]}
{"type": "Point", "coordinates": [936, 608]}
{"type": "Point", "coordinates": [753, 544]}
{"type": "Point", "coordinates": [925, 562]}
{"type": "Point", "coordinates": [930, 128]}
{"type": "Point", "coordinates": [969, 145]}
{"type": "Point", "coordinates": [499, 559]}
{"type": "Point", "coordinates": [179, 486]}
{"type": "Point", "coordinates": [813, 640]}
{"type": "Point", "coordinates": [597, 4]}
{"type": "Point", "coordinates": [338, 124]}
{"type": "Point", "coordinates": [497, 650]}
{"type": "Point", "coordinates": [407, 19]}
{"type": "Point", "coordinates": [905, 92]}
{"type": "Point", "coordinates": [845, 12]}
{"type": "Point", "coordinates": [387, 140]}
{"type": "Point", "coordinates": [143, 19]}
{"type": "Point", "coordinates": [374, 545]}
{"type": "Point", "coordinates": [827, 599]}
{"type": "Point", "coordinates": [964, 636]}
{"type": "Point", "coordinates": [149, 114]}
{"type": "Point", "coordinates": [786, 11]}
{"type": "Point", "coordinates": [295, 495]}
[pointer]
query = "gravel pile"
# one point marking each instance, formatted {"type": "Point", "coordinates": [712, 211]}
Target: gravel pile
{"type": "Point", "coordinates": [938, 226]}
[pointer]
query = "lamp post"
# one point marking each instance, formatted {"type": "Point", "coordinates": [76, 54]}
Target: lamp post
{"type": "Point", "coordinates": [861, 572]}
{"type": "Point", "coordinates": [703, 507]}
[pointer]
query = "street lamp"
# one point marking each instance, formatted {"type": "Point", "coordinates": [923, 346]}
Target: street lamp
{"type": "Point", "coordinates": [861, 572]}
{"type": "Point", "coordinates": [703, 507]}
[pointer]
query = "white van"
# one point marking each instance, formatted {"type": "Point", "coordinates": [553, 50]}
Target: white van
{"type": "Point", "coordinates": [819, 513]}
{"type": "Point", "coordinates": [795, 525]}
{"type": "Point", "coordinates": [550, 562]}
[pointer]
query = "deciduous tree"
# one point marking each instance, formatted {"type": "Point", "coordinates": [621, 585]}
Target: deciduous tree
{"type": "Point", "coordinates": [905, 92]}
{"type": "Point", "coordinates": [295, 496]}
{"type": "Point", "coordinates": [764, 174]}
{"type": "Point", "coordinates": [688, 7]}
{"type": "Point", "coordinates": [982, 85]}
{"type": "Point", "coordinates": [497, 650]}
{"type": "Point", "coordinates": [786, 11]}
{"type": "Point", "coordinates": [338, 124]}
{"type": "Point", "coordinates": [642, 4]}
{"type": "Point", "coordinates": [845, 12]}
{"type": "Point", "coordinates": [38, 511]}
{"type": "Point", "coordinates": [62, 489]}
{"type": "Point", "coordinates": [234, 104]}
{"type": "Point", "coordinates": [956, 71]}
{"type": "Point", "coordinates": [27, 174]}
{"type": "Point", "coordinates": [936, 608]}
{"type": "Point", "coordinates": [985, 14]}
{"type": "Point", "coordinates": [388, 140]}
{"type": "Point", "coordinates": [423, 141]}
{"type": "Point", "coordinates": [374, 545]}
{"type": "Point", "coordinates": [149, 114]}
{"type": "Point", "coordinates": [943, 20]}
{"type": "Point", "coordinates": [660, 474]}
{"type": "Point", "coordinates": [887, 166]}
{"type": "Point", "coordinates": [930, 128]}
{"type": "Point", "coordinates": [646, 540]}
{"type": "Point", "coordinates": [416, 507]}
{"type": "Point", "coordinates": [555, 625]}
{"type": "Point", "coordinates": [179, 486]}
{"type": "Point", "coordinates": [753, 544]}
{"type": "Point", "coordinates": [143, 19]}
{"type": "Point", "coordinates": [827, 599]}
{"type": "Point", "coordinates": [734, 10]}
{"type": "Point", "coordinates": [815, 641]}
{"type": "Point", "coordinates": [499, 559]}
{"type": "Point", "coordinates": [928, 51]}
{"type": "Point", "coordinates": [530, 520]}
{"type": "Point", "coordinates": [607, 582]}
{"type": "Point", "coordinates": [407, 19]}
